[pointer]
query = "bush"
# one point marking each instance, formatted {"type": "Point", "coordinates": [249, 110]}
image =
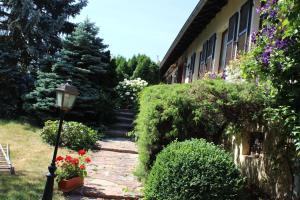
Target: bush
{"type": "Point", "coordinates": [74, 135]}
{"type": "Point", "coordinates": [193, 169]}
{"type": "Point", "coordinates": [203, 109]}
{"type": "Point", "coordinates": [128, 90]}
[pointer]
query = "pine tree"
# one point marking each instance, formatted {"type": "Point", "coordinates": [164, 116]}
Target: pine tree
{"type": "Point", "coordinates": [29, 30]}
{"type": "Point", "coordinates": [34, 26]}
{"type": "Point", "coordinates": [85, 60]}
{"type": "Point", "coordinates": [146, 69]}
{"type": "Point", "coordinates": [40, 103]}
{"type": "Point", "coordinates": [10, 81]}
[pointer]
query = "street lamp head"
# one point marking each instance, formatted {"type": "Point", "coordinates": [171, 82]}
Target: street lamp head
{"type": "Point", "coordinates": [66, 95]}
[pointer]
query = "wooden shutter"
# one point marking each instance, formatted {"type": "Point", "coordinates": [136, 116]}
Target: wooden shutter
{"type": "Point", "coordinates": [211, 52]}
{"type": "Point", "coordinates": [244, 27]}
{"type": "Point", "coordinates": [222, 63]}
{"type": "Point", "coordinates": [232, 35]}
{"type": "Point", "coordinates": [203, 59]}
{"type": "Point", "coordinates": [192, 69]}
{"type": "Point", "coordinates": [199, 68]}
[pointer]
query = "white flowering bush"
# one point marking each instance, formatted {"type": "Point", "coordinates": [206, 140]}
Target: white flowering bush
{"type": "Point", "coordinates": [128, 90]}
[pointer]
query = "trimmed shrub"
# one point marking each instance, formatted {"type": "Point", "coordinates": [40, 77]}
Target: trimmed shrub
{"type": "Point", "coordinates": [203, 109]}
{"type": "Point", "coordinates": [73, 136]}
{"type": "Point", "coordinates": [193, 169]}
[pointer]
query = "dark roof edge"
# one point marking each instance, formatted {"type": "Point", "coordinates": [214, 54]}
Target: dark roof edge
{"type": "Point", "coordinates": [188, 22]}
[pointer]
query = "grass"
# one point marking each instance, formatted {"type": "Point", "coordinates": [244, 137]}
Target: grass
{"type": "Point", "coordinates": [30, 156]}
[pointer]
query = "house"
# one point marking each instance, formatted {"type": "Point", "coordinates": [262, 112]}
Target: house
{"type": "Point", "coordinates": [215, 32]}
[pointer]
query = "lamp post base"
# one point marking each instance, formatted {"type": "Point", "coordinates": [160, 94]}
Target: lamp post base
{"type": "Point", "coordinates": [48, 191]}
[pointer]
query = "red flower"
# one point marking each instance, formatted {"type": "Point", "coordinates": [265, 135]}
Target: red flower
{"type": "Point", "coordinates": [59, 158]}
{"type": "Point", "coordinates": [68, 159]}
{"type": "Point", "coordinates": [75, 161]}
{"type": "Point", "coordinates": [81, 152]}
{"type": "Point", "coordinates": [88, 160]}
{"type": "Point", "coordinates": [82, 167]}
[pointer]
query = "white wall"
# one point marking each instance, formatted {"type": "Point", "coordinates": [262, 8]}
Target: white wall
{"type": "Point", "coordinates": [218, 25]}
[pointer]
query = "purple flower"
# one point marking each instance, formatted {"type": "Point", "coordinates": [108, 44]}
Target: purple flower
{"type": "Point", "coordinates": [273, 14]}
{"type": "Point", "coordinates": [265, 58]}
{"type": "Point", "coordinates": [253, 37]}
{"type": "Point", "coordinates": [281, 44]}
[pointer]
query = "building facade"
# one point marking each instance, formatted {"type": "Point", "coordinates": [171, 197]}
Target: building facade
{"type": "Point", "coordinates": [215, 33]}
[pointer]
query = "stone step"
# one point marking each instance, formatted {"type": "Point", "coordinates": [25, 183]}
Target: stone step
{"type": "Point", "coordinates": [124, 119]}
{"type": "Point", "coordinates": [125, 114]}
{"type": "Point", "coordinates": [121, 126]}
{"type": "Point", "coordinates": [121, 145]}
{"type": "Point", "coordinates": [116, 133]}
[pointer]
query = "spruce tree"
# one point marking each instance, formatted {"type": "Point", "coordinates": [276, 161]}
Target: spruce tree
{"type": "Point", "coordinates": [34, 26]}
{"type": "Point", "coordinates": [11, 83]}
{"type": "Point", "coordinates": [85, 60]}
{"type": "Point", "coordinates": [29, 30]}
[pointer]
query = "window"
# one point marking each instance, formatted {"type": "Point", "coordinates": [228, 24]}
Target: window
{"type": "Point", "coordinates": [199, 69]}
{"type": "Point", "coordinates": [210, 52]}
{"type": "Point", "coordinates": [252, 143]}
{"type": "Point", "coordinates": [193, 59]}
{"type": "Point", "coordinates": [231, 38]}
{"type": "Point", "coordinates": [222, 63]}
{"type": "Point", "coordinates": [203, 59]}
{"type": "Point", "coordinates": [244, 27]}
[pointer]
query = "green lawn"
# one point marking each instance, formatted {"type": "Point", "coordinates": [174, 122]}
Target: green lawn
{"type": "Point", "coordinates": [30, 157]}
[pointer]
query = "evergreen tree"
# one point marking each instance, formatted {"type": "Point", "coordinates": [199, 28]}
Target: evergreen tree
{"type": "Point", "coordinates": [34, 26]}
{"type": "Point", "coordinates": [41, 101]}
{"type": "Point", "coordinates": [146, 69]}
{"type": "Point", "coordinates": [29, 30]}
{"type": "Point", "coordinates": [140, 66]}
{"type": "Point", "coordinates": [10, 81]}
{"type": "Point", "coordinates": [123, 70]}
{"type": "Point", "coordinates": [85, 60]}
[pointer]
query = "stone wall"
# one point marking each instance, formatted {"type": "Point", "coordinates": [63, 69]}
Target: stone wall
{"type": "Point", "coordinates": [269, 170]}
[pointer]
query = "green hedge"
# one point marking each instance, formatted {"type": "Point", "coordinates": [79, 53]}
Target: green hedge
{"type": "Point", "coordinates": [74, 135]}
{"type": "Point", "coordinates": [193, 169]}
{"type": "Point", "coordinates": [203, 109]}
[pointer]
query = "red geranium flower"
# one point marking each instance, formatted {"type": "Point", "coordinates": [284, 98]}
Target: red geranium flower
{"type": "Point", "coordinates": [75, 161]}
{"type": "Point", "coordinates": [82, 167]}
{"type": "Point", "coordinates": [81, 152]}
{"type": "Point", "coordinates": [68, 159]}
{"type": "Point", "coordinates": [59, 158]}
{"type": "Point", "coordinates": [88, 160]}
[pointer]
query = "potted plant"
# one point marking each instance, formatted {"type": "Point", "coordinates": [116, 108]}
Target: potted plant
{"type": "Point", "coordinates": [71, 171]}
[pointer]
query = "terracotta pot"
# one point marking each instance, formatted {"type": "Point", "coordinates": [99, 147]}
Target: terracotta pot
{"type": "Point", "coordinates": [71, 184]}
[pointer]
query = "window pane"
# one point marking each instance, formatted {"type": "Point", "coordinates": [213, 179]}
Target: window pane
{"type": "Point", "coordinates": [222, 62]}
{"type": "Point", "coordinates": [229, 53]}
{"type": "Point", "coordinates": [245, 14]}
{"type": "Point", "coordinates": [232, 28]}
{"type": "Point", "coordinates": [242, 45]}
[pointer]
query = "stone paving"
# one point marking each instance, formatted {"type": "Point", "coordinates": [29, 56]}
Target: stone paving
{"type": "Point", "coordinates": [111, 174]}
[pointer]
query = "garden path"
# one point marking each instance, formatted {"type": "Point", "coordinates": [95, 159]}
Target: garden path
{"type": "Point", "coordinates": [111, 174]}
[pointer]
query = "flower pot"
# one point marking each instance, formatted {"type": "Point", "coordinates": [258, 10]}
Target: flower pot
{"type": "Point", "coordinates": [71, 184]}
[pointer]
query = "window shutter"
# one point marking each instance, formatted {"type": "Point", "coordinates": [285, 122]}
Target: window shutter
{"type": "Point", "coordinates": [205, 51]}
{"type": "Point", "coordinates": [200, 60]}
{"type": "Point", "coordinates": [232, 28]}
{"type": "Point", "coordinates": [213, 43]}
{"type": "Point", "coordinates": [245, 25]}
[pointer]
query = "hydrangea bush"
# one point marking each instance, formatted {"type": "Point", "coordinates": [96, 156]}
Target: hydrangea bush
{"type": "Point", "coordinates": [128, 90]}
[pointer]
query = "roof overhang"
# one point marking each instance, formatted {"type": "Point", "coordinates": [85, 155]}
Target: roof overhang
{"type": "Point", "coordinates": [204, 12]}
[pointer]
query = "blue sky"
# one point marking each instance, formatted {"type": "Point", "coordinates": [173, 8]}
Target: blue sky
{"type": "Point", "coordinates": [138, 26]}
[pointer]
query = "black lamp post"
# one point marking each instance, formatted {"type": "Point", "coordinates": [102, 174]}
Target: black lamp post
{"type": "Point", "coordinates": [65, 98]}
